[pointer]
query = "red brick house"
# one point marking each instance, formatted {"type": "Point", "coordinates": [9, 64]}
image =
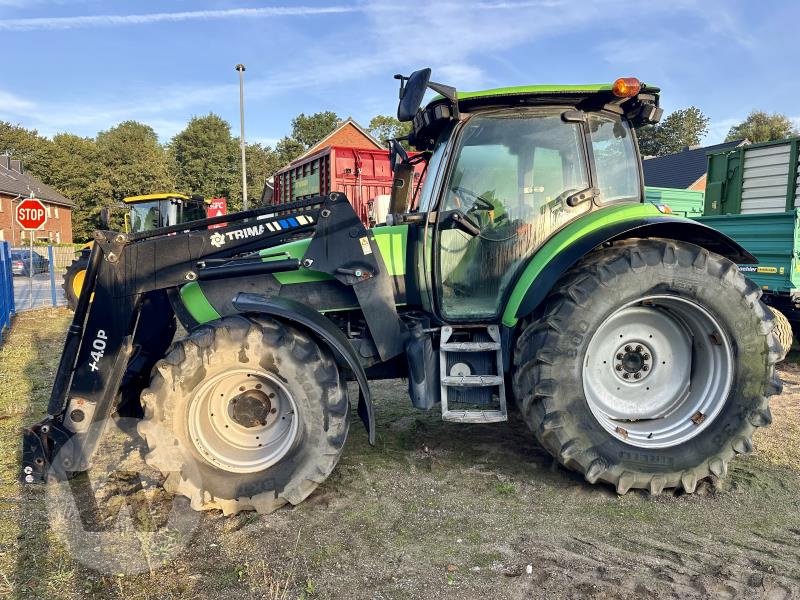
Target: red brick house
{"type": "Point", "coordinates": [16, 185]}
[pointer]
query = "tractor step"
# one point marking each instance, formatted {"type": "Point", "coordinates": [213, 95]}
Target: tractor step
{"type": "Point", "coordinates": [470, 346]}
{"type": "Point", "coordinates": [471, 374]}
{"type": "Point", "coordinates": [472, 380]}
{"type": "Point", "coordinates": [474, 416]}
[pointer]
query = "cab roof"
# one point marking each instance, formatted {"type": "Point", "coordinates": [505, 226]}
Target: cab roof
{"type": "Point", "coordinates": [538, 94]}
{"type": "Point", "coordinates": [165, 196]}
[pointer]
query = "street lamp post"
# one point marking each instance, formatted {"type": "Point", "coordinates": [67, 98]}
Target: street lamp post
{"type": "Point", "coordinates": [241, 69]}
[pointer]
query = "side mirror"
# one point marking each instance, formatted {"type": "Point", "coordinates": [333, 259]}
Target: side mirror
{"type": "Point", "coordinates": [397, 155]}
{"type": "Point", "coordinates": [412, 90]}
{"type": "Point", "coordinates": [105, 218]}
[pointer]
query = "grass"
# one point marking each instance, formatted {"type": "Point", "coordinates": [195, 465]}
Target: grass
{"type": "Point", "coordinates": [434, 510]}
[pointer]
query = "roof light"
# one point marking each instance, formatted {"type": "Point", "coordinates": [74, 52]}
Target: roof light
{"type": "Point", "coordinates": [626, 87]}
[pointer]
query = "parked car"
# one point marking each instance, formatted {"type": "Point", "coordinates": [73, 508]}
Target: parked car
{"type": "Point", "coordinates": [21, 262]}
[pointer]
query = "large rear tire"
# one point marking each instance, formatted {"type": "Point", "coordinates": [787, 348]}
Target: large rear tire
{"type": "Point", "coordinates": [245, 414]}
{"type": "Point", "coordinates": [650, 368]}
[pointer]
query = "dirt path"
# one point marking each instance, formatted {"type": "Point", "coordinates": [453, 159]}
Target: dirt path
{"type": "Point", "coordinates": [441, 510]}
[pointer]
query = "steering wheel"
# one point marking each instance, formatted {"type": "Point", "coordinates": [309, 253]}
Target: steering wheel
{"type": "Point", "coordinates": [480, 203]}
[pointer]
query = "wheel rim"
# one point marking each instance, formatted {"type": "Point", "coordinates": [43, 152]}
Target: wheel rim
{"type": "Point", "coordinates": [77, 282]}
{"type": "Point", "coordinates": [658, 371]}
{"type": "Point", "coordinates": [243, 420]}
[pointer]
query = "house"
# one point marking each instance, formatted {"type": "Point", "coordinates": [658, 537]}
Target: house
{"type": "Point", "coordinates": [348, 134]}
{"type": "Point", "coordinates": [685, 169]}
{"type": "Point", "coordinates": [16, 185]}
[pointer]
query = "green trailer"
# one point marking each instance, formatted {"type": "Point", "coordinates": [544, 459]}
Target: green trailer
{"type": "Point", "coordinates": [752, 195]}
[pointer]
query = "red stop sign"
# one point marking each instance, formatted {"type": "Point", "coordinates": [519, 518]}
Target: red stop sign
{"type": "Point", "coordinates": [31, 214]}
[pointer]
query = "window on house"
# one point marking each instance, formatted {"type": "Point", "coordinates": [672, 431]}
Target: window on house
{"type": "Point", "coordinates": [47, 209]}
{"type": "Point", "coordinates": [56, 209]}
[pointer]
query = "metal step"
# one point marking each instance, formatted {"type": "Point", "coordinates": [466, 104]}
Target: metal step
{"type": "Point", "coordinates": [472, 380]}
{"type": "Point", "coordinates": [469, 347]}
{"type": "Point", "coordinates": [475, 416]}
{"type": "Point", "coordinates": [468, 369]}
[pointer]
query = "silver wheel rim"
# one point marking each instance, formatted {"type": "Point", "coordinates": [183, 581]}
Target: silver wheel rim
{"type": "Point", "coordinates": [243, 420]}
{"type": "Point", "coordinates": [658, 371]}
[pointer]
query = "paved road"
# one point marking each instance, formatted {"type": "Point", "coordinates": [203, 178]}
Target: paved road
{"type": "Point", "coordinates": [41, 292]}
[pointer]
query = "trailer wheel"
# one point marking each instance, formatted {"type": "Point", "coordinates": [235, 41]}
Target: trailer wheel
{"type": "Point", "coordinates": [73, 279]}
{"type": "Point", "coordinates": [245, 414]}
{"type": "Point", "coordinates": [651, 366]}
{"type": "Point", "coordinates": [783, 329]}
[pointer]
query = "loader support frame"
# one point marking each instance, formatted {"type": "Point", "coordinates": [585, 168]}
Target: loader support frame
{"type": "Point", "coordinates": [125, 271]}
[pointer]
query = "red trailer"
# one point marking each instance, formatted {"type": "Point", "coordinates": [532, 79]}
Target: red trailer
{"type": "Point", "coordinates": [363, 175]}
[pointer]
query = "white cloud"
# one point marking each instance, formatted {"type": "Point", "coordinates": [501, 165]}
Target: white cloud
{"type": "Point", "coordinates": [11, 103]}
{"type": "Point", "coordinates": [50, 23]}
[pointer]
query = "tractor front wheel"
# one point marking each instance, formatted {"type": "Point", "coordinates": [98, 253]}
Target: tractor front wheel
{"type": "Point", "coordinates": [245, 414]}
{"type": "Point", "coordinates": [651, 366]}
{"type": "Point", "coordinates": [73, 279]}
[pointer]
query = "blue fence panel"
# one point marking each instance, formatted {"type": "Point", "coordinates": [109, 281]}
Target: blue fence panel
{"type": "Point", "coordinates": [7, 308]}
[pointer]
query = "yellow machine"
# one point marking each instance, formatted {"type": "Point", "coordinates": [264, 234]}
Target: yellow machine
{"type": "Point", "coordinates": [142, 213]}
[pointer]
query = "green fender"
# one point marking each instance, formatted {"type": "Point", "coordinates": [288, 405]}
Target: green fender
{"type": "Point", "coordinates": [581, 236]}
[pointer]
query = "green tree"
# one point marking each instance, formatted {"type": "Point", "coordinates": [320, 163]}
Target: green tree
{"type": "Point", "coordinates": [133, 161]}
{"type": "Point", "coordinates": [680, 129]}
{"type": "Point", "coordinates": [76, 172]}
{"type": "Point", "coordinates": [386, 127]}
{"type": "Point", "coordinates": [262, 163]}
{"type": "Point", "coordinates": [204, 159]}
{"type": "Point", "coordinates": [26, 145]}
{"type": "Point", "coordinates": [309, 129]}
{"type": "Point", "coordinates": [762, 127]}
{"type": "Point", "coordinates": [288, 149]}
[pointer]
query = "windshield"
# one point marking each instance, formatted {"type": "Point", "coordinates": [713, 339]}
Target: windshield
{"type": "Point", "coordinates": [144, 216]}
{"type": "Point", "coordinates": [514, 171]}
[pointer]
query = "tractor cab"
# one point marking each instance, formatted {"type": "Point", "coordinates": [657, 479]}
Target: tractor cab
{"type": "Point", "coordinates": [507, 169]}
{"type": "Point", "coordinates": [153, 211]}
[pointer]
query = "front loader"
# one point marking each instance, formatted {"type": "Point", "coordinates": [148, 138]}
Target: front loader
{"type": "Point", "coordinates": [526, 268]}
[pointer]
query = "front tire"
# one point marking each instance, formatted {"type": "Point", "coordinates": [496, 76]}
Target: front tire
{"type": "Point", "coordinates": [245, 414]}
{"type": "Point", "coordinates": [73, 279]}
{"type": "Point", "coordinates": [650, 368]}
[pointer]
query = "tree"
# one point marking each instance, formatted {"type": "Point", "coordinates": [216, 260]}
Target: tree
{"type": "Point", "coordinates": [762, 127]}
{"type": "Point", "coordinates": [309, 129]}
{"type": "Point", "coordinates": [133, 161]}
{"type": "Point", "coordinates": [26, 145]}
{"type": "Point", "coordinates": [682, 128]}
{"type": "Point", "coordinates": [204, 159]}
{"type": "Point", "coordinates": [76, 172]}
{"type": "Point", "coordinates": [386, 127]}
{"type": "Point", "coordinates": [262, 163]}
{"type": "Point", "coordinates": [288, 149]}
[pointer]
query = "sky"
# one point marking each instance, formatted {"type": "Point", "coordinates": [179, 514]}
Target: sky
{"type": "Point", "coordinates": [83, 66]}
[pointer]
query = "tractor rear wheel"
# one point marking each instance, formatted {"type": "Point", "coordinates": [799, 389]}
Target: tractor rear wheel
{"type": "Point", "coordinates": [245, 414]}
{"type": "Point", "coordinates": [651, 366]}
{"type": "Point", "coordinates": [73, 279]}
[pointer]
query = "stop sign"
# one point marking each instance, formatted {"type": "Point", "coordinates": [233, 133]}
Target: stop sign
{"type": "Point", "coordinates": [31, 214]}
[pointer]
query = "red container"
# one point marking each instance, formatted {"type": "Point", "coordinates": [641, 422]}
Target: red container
{"type": "Point", "coordinates": [362, 175]}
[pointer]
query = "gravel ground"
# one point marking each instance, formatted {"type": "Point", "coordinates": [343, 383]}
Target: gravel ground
{"type": "Point", "coordinates": [435, 510]}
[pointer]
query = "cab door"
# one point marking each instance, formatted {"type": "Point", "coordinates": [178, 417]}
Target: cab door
{"type": "Point", "coordinates": [512, 174]}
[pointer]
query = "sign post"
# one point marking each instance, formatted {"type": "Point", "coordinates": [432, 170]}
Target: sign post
{"type": "Point", "coordinates": [31, 216]}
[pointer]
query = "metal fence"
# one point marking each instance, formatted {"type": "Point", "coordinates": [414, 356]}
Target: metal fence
{"type": "Point", "coordinates": [38, 277]}
{"type": "Point", "coordinates": [7, 307]}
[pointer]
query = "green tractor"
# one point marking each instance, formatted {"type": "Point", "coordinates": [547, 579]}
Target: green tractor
{"type": "Point", "coordinates": [527, 268]}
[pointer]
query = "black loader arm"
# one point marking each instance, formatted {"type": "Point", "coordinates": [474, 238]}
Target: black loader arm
{"type": "Point", "coordinates": [129, 275]}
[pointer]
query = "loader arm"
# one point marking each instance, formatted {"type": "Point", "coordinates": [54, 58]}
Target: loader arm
{"type": "Point", "coordinates": [123, 296]}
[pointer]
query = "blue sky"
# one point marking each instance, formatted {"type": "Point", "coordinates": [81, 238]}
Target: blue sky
{"type": "Point", "coordinates": [85, 65]}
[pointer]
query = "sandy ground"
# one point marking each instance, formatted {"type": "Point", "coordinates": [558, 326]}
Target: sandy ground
{"type": "Point", "coordinates": [435, 510]}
